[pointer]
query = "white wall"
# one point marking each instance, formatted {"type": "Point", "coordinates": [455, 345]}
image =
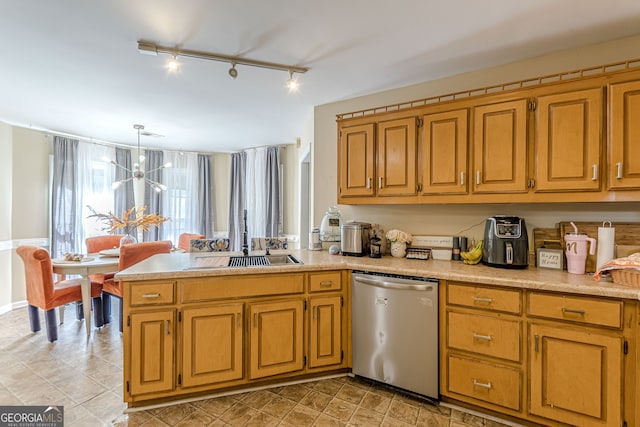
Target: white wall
{"type": "Point", "coordinates": [443, 219]}
{"type": "Point", "coordinates": [6, 149]}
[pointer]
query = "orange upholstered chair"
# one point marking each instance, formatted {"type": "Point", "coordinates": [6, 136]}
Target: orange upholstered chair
{"type": "Point", "coordinates": [100, 243]}
{"type": "Point", "coordinates": [43, 292]}
{"type": "Point", "coordinates": [184, 242]}
{"type": "Point", "coordinates": [129, 255]}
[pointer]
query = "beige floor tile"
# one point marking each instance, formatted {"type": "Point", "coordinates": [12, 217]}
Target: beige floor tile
{"type": "Point", "coordinates": [340, 409]}
{"type": "Point", "coordinates": [301, 416]}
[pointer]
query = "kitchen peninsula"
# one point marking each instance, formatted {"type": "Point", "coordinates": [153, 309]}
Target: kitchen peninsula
{"type": "Point", "coordinates": [195, 331]}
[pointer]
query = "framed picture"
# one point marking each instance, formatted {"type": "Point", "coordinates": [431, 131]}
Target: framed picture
{"type": "Point", "coordinates": [550, 258]}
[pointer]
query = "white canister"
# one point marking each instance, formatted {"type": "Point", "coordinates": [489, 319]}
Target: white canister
{"type": "Point", "coordinates": [314, 240]}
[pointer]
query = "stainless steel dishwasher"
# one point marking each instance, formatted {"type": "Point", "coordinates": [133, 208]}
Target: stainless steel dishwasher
{"type": "Point", "coordinates": [395, 330]}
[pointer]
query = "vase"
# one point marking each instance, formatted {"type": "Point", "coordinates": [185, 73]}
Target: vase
{"type": "Point", "coordinates": [398, 249]}
{"type": "Point", "coordinates": [127, 239]}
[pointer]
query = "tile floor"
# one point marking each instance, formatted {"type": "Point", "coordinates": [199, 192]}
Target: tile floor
{"type": "Point", "coordinates": [85, 376]}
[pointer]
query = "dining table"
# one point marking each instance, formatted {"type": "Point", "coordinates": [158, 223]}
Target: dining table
{"type": "Point", "coordinates": [91, 264]}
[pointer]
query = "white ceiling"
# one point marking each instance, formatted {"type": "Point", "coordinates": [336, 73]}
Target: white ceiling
{"type": "Point", "coordinates": [72, 66]}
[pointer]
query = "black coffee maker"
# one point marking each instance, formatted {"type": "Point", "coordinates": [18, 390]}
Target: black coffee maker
{"type": "Point", "coordinates": [505, 244]}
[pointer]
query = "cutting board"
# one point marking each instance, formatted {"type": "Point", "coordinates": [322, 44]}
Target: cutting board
{"type": "Point", "coordinates": [627, 233]}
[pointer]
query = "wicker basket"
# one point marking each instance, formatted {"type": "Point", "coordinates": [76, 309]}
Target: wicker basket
{"type": "Point", "coordinates": [626, 277]}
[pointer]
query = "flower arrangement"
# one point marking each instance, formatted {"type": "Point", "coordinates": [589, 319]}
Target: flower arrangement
{"type": "Point", "coordinates": [133, 219]}
{"type": "Point", "coordinates": [399, 236]}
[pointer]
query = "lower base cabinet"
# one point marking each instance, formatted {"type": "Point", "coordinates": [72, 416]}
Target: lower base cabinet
{"type": "Point", "coordinates": [576, 376]}
{"type": "Point", "coordinates": [577, 366]}
{"type": "Point", "coordinates": [214, 333]}
{"type": "Point", "coordinates": [275, 344]}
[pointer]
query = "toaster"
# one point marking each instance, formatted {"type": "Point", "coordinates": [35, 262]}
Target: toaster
{"type": "Point", "coordinates": [506, 244]}
{"type": "Point", "coordinates": [355, 238]}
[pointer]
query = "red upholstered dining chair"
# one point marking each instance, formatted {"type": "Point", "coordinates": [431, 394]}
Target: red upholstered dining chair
{"type": "Point", "coordinates": [129, 255]}
{"type": "Point", "coordinates": [43, 292]}
{"type": "Point", "coordinates": [184, 242]}
{"type": "Point", "coordinates": [100, 243]}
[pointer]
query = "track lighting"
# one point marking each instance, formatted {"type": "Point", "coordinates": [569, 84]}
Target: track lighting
{"type": "Point", "coordinates": [150, 48]}
{"type": "Point", "coordinates": [232, 71]}
{"type": "Point", "coordinates": [173, 65]}
{"type": "Point", "coordinates": [292, 83]}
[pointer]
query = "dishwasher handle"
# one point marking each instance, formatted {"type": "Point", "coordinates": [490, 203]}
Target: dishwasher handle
{"type": "Point", "coordinates": [393, 285]}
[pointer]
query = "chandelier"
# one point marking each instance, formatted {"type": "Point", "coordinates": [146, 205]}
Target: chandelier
{"type": "Point", "coordinates": [138, 172]}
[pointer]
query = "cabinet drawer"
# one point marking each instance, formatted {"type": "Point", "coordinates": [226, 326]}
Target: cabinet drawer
{"type": "Point", "coordinates": [500, 385]}
{"type": "Point", "coordinates": [223, 287]}
{"type": "Point", "coordinates": [507, 300]}
{"type": "Point", "coordinates": [330, 281]}
{"type": "Point", "coordinates": [576, 309]}
{"type": "Point", "coordinates": [151, 293]}
{"type": "Point", "coordinates": [485, 335]}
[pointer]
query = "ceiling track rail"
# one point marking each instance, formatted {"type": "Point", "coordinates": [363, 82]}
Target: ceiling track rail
{"type": "Point", "coordinates": [611, 68]}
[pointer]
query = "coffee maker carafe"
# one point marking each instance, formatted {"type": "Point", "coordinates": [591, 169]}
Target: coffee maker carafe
{"type": "Point", "coordinates": [506, 244]}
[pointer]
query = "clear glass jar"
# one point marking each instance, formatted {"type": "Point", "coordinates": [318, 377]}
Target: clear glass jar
{"type": "Point", "coordinates": [330, 225]}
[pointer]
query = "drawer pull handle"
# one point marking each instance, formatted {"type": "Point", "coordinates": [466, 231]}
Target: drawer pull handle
{"type": "Point", "coordinates": [326, 283]}
{"type": "Point", "coordinates": [477, 383]}
{"type": "Point", "coordinates": [477, 177]}
{"type": "Point", "coordinates": [619, 170]}
{"type": "Point", "coordinates": [151, 295]}
{"type": "Point", "coordinates": [595, 173]}
{"type": "Point", "coordinates": [572, 311]}
{"type": "Point", "coordinates": [462, 178]}
{"type": "Point", "coordinates": [482, 299]}
{"type": "Point", "coordinates": [482, 337]}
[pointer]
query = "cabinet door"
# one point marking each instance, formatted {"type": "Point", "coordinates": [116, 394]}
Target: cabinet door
{"type": "Point", "coordinates": [356, 162]}
{"type": "Point", "coordinates": [396, 150]}
{"type": "Point", "coordinates": [568, 141]}
{"type": "Point", "coordinates": [325, 338]}
{"type": "Point", "coordinates": [500, 147]}
{"type": "Point", "coordinates": [624, 134]}
{"type": "Point", "coordinates": [152, 352]}
{"type": "Point", "coordinates": [576, 376]}
{"type": "Point", "coordinates": [212, 344]}
{"type": "Point", "coordinates": [276, 338]}
{"type": "Point", "coordinates": [444, 153]}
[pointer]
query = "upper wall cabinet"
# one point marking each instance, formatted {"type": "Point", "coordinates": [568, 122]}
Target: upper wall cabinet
{"type": "Point", "coordinates": [396, 148]}
{"type": "Point", "coordinates": [444, 153]}
{"type": "Point", "coordinates": [624, 136]}
{"type": "Point", "coordinates": [500, 147]}
{"type": "Point", "coordinates": [568, 141]}
{"type": "Point", "coordinates": [356, 161]}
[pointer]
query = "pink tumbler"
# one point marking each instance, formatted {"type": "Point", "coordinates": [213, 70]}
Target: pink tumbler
{"type": "Point", "coordinates": [576, 251]}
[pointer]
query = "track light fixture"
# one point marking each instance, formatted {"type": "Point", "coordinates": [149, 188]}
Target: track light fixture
{"type": "Point", "coordinates": [150, 48]}
{"type": "Point", "coordinates": [232, 71]}
{"type": "Point", "coordinates": [173, 65]}
{"type": "Point", "coordinates": [137, 171]}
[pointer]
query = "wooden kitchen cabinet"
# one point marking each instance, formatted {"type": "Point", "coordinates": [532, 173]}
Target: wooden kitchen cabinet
{"type": "Point", "coordinates": [356, 165]}
{"type": "Point", "coordinates": [444, 153]}
{"type": "Point", "coordinates": [569, 134]}
{"type": "Point", "coordinates": [325, 331]}
{"type": "Point", "coordinates": [276, 337]}
{"type": "Point", "coordinates": [152, 352]}
{"type": "Point", "coordinates": [576, 375]}
{"type": "Point", "coordinates": [624, 136]}
{"type": "Point", "coordinates": [396, 157]}
{"type": "Point", "coordinates": [500, 156]}
{"type": "Point", "coordinates": [212, 344]}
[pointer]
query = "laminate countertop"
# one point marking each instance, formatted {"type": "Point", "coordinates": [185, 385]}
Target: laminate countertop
{"type": "Point", "coordinates": [184, 265]}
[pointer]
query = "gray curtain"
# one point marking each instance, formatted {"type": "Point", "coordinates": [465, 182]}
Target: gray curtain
{"type": "Point", "coordinates": [205, 216]}
{"type": "Point", "coordinates": [65, 209]}
{"type": "Point", "coordinates": [237, 201]}
{"type": "Point", "coordinates": [123, 195]}
{"type": "Point", "coordinates": [273, 207]}
{"type": "Point", "coordinates": [152, 198]}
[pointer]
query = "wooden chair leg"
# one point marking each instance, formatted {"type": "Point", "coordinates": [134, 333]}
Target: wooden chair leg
{"type": "Point", "coordinates": [52, 326]}
{"type": "Point", "coordinates": [98, 317]}
{"type": "Point", "coordinates": [61, 313]}
{"type": "Point", "coordinates": [34, 318]}
{"type": "Point", "coordinates": [106, 307]}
